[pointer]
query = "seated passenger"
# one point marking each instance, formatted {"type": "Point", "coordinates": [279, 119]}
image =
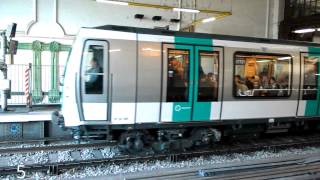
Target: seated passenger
{"type": "Point", "coordinates": [274, 86]}
{"type": "Point", "coordinates": [273, 83]}
{"type": "Point", "coordinates": [93, 79]}
{"type": "Point", "coordinates": [264, 81]}
{"type": "Point", "coordinates": [240, 87]}
{"type": "Point", "coordinates": [249, 82]}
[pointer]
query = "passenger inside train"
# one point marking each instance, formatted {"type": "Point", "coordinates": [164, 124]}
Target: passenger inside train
{"type": "Point", "coordinates": [94, 71]}
{"type": "Point", "coordinates": [260, 75]}
{"type": "Point", "coordinates": [178, 76]}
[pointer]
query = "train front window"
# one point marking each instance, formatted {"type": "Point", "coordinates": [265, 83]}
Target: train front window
{"type": "Point", "coordinates": [262, 75]}
{"type": "Point", "coordinates": [93, 59]}
{"type": "Point", "coordinates": [178, 75]}
{"type": "Point", "coordinates": [310, 78]}
{"type": "Point", "coordinates": [208, 76]}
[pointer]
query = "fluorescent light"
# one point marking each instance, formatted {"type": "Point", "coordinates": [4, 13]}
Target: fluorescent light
{"type": "Point", "coordinates": [208, 20]}
{"type": "Point", "coordinates": [150, 49]}
{"type": "Point", "coordinates": [264, 60]}
{"type": "Point", "coordinates": [113, 2]}
{"type": "Point", "coordinates": [114, 50]}
{"type": "Point", "coordinates": [304, 30]}
{"type": "Point", "coordinates": [284, 58]}
{"type": "Point", "coordinates": [186, 10]}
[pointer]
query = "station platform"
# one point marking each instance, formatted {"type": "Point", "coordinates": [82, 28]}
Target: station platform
{"type": "Point", "coordinates": [23, 114]}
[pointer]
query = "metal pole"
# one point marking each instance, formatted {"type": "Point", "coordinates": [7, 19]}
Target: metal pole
{"type": "Point", "coordinates": [266, 35]}
{"type": "Point", "coordinates": [179, 16]}
{"type": "Point", "coordinates": [3, 74]}
{"type": "Point", "coordinates": [30, 85]}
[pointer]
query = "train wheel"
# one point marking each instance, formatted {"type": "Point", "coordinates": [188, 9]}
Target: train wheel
{"type": "Point", "coordinates": [132, 141]}
{"type": "Point", "coordinates": [205, 136]}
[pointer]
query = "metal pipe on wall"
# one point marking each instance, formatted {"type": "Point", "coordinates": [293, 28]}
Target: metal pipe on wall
{"type": "Point", "coordinates": [179, 16]}
{"type": "Point", "coordinates": [194, 16]}
{"type": "Point", "coordinates": [267, 20]}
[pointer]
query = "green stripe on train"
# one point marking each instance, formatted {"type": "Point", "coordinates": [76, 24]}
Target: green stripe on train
{"type": "Point", "coordinates": [312, 108]}
{"type": "Point", "coordinates": [182, 111]}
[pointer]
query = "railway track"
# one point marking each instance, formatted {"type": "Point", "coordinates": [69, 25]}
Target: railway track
{"type": "Point", "coordinates": [54, 147]}
{"type": "Point", "coordinates": [65, 145]}
{"type": "Point", "coordinates": [306, 166]}
{"type": "Point", "coordinates": [59, 167]}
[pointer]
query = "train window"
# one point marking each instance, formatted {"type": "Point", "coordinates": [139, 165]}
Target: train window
{"type": "Point", "coordinates": [208, 76]}
{"type": "Point", "coordinates": [178, 75]}
{"type": "Point", "coordinates": [262, 75]}
{"type": "Point", "coordinates": [93, 59]}
{"type": "Point", "coordinates": [310, 78]}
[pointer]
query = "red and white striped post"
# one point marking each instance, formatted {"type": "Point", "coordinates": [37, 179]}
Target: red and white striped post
{"type": "Point", "coordinates": [27, 85]}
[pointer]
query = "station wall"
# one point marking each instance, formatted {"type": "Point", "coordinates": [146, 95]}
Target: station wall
{"type": "Point", "coordinates": [63, 18]}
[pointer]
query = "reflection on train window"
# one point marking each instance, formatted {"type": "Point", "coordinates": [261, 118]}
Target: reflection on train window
{"type": "Point", "coordinates": [262, 75]}
{"type": "Point", "coordinates": [208, 76]}
{"type": "Point", "coordinates": [93, 57]}
{"type": "Point", "coordinates": [310, 78]}
{"type": "Point", "coordinates": [178, 75]}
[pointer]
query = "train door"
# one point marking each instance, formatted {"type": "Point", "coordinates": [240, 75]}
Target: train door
{"type": "Point", "coordinates": [177, 81]}
{"type": "Point", "coordinates": [190, 83]}
{"type": "Point", "coordinates": [309, 94]}
{"type": "Point", "coordinates": [94, 82]}
{"type": "Point", "coordinates": [206, 99]}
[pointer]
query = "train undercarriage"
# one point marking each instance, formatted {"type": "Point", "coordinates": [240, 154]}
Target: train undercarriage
{"type": "Point", "coordinates": [181, 137]}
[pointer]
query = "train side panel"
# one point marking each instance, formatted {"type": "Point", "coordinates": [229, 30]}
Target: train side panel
{"type": "Point", "coordinates": [260, 106]}
{"type": "Point", "coordinates": [149, 77]}
{"type": "Point", "coordinates": [123, 60]}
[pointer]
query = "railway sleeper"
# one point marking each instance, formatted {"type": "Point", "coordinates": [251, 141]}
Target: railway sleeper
{"type": "Point", "coordinates": [53, 170]}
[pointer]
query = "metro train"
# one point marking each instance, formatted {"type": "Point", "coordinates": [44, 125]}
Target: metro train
{"type": "Point", "coordinates": [171, 90]}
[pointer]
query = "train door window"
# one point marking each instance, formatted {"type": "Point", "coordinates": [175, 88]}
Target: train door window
{"type": "Point", "coordinates": [208, 76]}
{"type": "Point", "coordinates": [93, 57]}
{"type": "Point", "coordinates": [310, 78]}
{"type": "Point", "coordinates": [178, 75]}
{"type": "Point", "coordinates": [262, 75]}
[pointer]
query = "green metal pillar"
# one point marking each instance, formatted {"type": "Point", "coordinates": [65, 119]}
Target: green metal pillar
{"type": "Point", "coordinates": [54, 94]}
{"type": "Point", "coordinates": [37, 95]}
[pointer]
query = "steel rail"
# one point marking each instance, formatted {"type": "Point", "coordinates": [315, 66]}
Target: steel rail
{"type": "Point", "coordinates": [56, 147]}
{"type": "Point", "coordinates": [55, 168]}
{"type": "Point", "coordinates": [42, 140]}
{"type": "Point", "coordinates": [262, 169]}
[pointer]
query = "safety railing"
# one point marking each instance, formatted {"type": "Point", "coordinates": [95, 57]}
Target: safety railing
{"type": "Point", "coordinates": [38, 84]}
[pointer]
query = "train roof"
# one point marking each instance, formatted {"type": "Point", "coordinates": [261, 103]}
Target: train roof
{"type": "Point", "coordinates": [204, 35]}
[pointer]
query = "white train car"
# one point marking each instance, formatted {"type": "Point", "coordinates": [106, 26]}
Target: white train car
{"type": "Point", "coordinates": [135, 84]}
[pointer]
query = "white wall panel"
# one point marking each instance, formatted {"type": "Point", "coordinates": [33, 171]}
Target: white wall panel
{"type": "Point", "coordinates": [123, 113]}
{"type": "Point", "coordinates": [258, 109]}
{"type": "Point", "coordinates": [248, 16]}
{"type": "Point", "coordinates": [166, 112]}
{"type": "Point", "coordinates": [148, 112]}
{"type": "Point", "coordinates": [95, 111]}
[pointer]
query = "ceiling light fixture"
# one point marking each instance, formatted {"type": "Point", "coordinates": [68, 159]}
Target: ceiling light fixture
{"type": "Point", "coordinates": [284, 58]}
{"type": "Point", "coordinates": [186, 10]}
{"type": "Point", "coordinates": [156, 18]}
{"type": "Point", "coordinates": [114, 50]}
{"type": "Point", "coordinates": [113, 2]}
{"type": "Point", "coordinates": [308, 30]}
{"type": "Point", "coordinates": [139, 16]}
{"type": "Point", "coordinates": [208, 20]}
